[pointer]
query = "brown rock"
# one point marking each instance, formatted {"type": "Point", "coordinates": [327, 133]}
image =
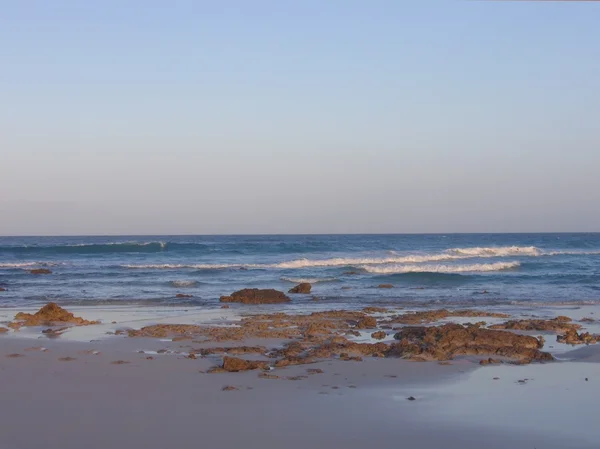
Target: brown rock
{"type": "Point", "coordinates": [447, 341]}
{"type": "Point", "coordinates": [233, 364]}
{"type": "Point", "coordinates": [3, 330]}
{"type": "Point", "coordinates": [303, 287]}
{"type": "Point", "coordinates": [120, 362]}
{"type": "Point", "coordinates": [587, 320]}
{"type": "Point", "coordinates": [379, 335]}
{"type": "Point", "coordinates": [229, 388]}
{"type": "Point", "coordinates": [225, 306]}
{"type": "Point", "coordinates": [66, 359]}
{"type": "Point", "coordinates": [183, 295]}
{"type": "Point", "coordinates": [14, 356]}
{"type": "Point", "coordinates": [367, 322]}
{"type": "Point", "coordinates": [40, 271]}
{"type": "Point", "coordinates": [571, 337]}
{"type": "Point", "coordinates": [256, 296]}
{"type": "Point", "coordinates": [2, 289]}
{"type": "Point", "coordinates": [385, 286]}
{"type": "Point", "coordinates": [268, 376]}
{"type": "Point", "coordinates": [375, 310]}
{"type": "Point", "coordinates": [558, 324]}
{"type": "Point", "coordinates": [490, 361]}
{"type": "Point", "coordinates": [314, 371]}
{"type": "Point", "coordinates": [49, 315]}
{"type": "Point", "coordinates": [429, 316]}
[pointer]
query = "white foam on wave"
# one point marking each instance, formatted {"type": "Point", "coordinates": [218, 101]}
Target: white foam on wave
{"type": "Point", "coordinates": [184, 283]}
{"type": "Point", "coordinates": [170, 266]}
{"type": "Point", "coordinates": [29, 264]}
{"type": "Point", "coordinates": [470, 268]}
{"type": "Point", "coordinates": [446, 256]}
{"type": "Point", "coordinates": [496, 251]}
{"type": "Point", "coordinates": [308, 280]}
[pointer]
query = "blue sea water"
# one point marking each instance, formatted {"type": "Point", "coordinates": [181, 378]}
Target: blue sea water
{"type": "Point", "coordinates": [344, 269]}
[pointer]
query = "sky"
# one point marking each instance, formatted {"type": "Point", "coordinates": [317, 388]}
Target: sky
{"type": "Point", "coordinates": [314, 116]}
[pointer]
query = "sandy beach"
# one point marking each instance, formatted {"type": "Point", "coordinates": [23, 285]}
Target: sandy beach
{"type": "Point", "coordinates": [87, 388]}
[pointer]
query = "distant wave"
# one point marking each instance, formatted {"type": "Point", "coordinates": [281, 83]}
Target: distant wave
{"type": "Point", "coordinates": [499, 251]}
{"type": "Point", "coordinates": [309, 280]}
{"type": "Point", "coordinates": [472, 268]}
{"type": "Point", "coordinates": [184, 283]}
{"type": "Point", "coordinates": [89, 248]}
{"type": "Point", "coordinates": [446, 256]}
{"type": "Point", "coordinates": [28, 264]}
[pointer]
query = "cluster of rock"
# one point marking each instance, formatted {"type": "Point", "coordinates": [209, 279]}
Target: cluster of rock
{"type": "Point", "coordinates": [571, 337]}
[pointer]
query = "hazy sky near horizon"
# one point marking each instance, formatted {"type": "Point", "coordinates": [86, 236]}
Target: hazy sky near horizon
{"type": "Point", "coordinates": [203, 117]}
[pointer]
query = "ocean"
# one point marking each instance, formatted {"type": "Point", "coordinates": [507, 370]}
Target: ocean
{"type": "Point", "coordinates": [345, 270]}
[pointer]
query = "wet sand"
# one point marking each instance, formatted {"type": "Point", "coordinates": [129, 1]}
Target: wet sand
{"type": "Point", "coordinates": [71, 394]}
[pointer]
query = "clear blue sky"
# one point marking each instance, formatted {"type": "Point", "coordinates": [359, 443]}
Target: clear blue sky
{"type": "Point", "coordinates": [141, 117]}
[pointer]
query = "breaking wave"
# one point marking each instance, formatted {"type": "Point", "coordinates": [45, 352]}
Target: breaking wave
{"type": "Point", "coordinates": [184, 283]}
{"type": "Point", "coordinates": [472, 268]}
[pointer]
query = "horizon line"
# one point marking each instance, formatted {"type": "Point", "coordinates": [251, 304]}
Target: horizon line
{"type": "Point", "coordinates": [311, 233]}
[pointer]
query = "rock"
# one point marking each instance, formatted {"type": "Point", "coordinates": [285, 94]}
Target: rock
{"type": "Point", "coordinates": [411, 398]}
{"type": "Point", "coordinates": [40, 271]}
{"type": "Point", "coordinates": [351, 273]}
{"type": "Point", "coordinates": [314, 371]}
{"type": "Point", "coordinates": [256, 296]}
{"type": "Point", "coordinates": [571, 337]}
{"type": "Point", "coordinates": [225, 306]}
{"type": "Point", "coordinates": [385, 286]}
{"type": "Point", "coordinates": [66, 359]}
{"type": "Point", "coordinates": [229, 388]}
{"type": "Point", "coordinates": [182, 295]}
{"type": "Point", "coordinates": [234, 365]}
{"type": "Point", "coordinates": [303, 287]}
{"type": "Point", "coordinates": [449, 340]}
{"type": "Point", "coordinates": [583, 320]}
{"type": "Point", "coordinates": [3, 330]}
{"type": "Point", "coordinates": [119, 362]}
{"type": "Point", "coordinates": [378, 335]}
{"type": "Point", "coordinates": [490, 361]}
{"type": "Point", "coordinates": [367, 322]}
{"type": "Point", "coordinates": [14, 356]}
{"type": "Point", "coordinates": [375, 310]}
{"type": "Point", "coordinates": [558, 324]}
{"type": "Point", "coordinates": [2, 289]}
{"type": "Point", "coordinates": [429, 316]}
{"type": "Point", "coordinates": [49, 315]}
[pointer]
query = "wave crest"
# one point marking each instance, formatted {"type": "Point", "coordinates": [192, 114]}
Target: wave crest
{"type": "Point", "coordinates": [471, 268]}
{"type": "Point", "coordinates": [184, 283]}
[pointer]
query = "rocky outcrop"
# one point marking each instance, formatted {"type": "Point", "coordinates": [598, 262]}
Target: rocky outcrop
{"type": "Point", "coordinates": [40, 271]}
{"type": "Point", "coordinates": [429, 316]}
{"type": "Point", "coordinates": [380, 335]}
{"type": "Point", "coordinates": [303, 287]}
{"type": "Point", "coordinates": [50, 315]}
{"type": "Point", "coordinates": [256, 296]}
{"type": "Point", "coordinates": [367, 322]}
{"type": "Point", "coordinates": [558, 324]}
{"type": "Point", "coordinates": [183, 295]}
{"type": "Point", "coordinates": [385, 286]}
{"type": "Point", "coordinates": [571, 337]}
{"type": "Point", "coordinates": [447, 341]}
{"type": "Point", "coordinates": [3, 330]}
{"type": "Point", "coordinates": [233, 364]}
{"type": "Point", "coordinates": [2, 289]}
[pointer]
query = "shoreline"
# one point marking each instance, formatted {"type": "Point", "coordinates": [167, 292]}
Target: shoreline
{"type": "Point", "coordinates": [86, 383]}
